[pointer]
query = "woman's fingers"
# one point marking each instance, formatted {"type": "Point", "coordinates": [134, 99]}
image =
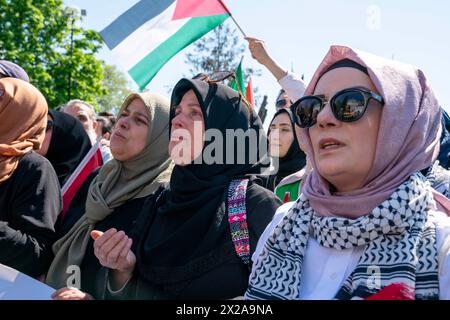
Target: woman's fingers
{"type": "Point", "coordinates": [123, 254]}
{"type": "Point", "coordinates": [254, 43]}
{"type": "Point", "coordinates": [95, 234]}
{"type": "Point", "coordinates": [251, 39]}
{"type": "Point", "coordinates": [109, 245]}
{"type": "Point", "coordinates": [112, 248]}
{"type": "Point", "coordinates": [59, 292]}
{"type": "Point", "coordinates": [113, 255]}
{"type": "Point", "coordinates": [104, 237]}
{"type": "Point", "coordinates": [70, 294]}
{"type": "Point", "coordinates": [127, 259]}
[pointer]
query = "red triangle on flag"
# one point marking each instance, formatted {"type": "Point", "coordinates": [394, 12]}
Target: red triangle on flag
{"type": "Point", "coordinates": [287, 195]}
{"type": "Point", "coordinates": [198, 8]}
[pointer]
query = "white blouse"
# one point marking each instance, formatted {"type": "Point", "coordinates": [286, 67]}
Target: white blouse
{"type": "Point", "coordinates": [326, 269]}
{"type": "Point", "coordinates": [293, 85]}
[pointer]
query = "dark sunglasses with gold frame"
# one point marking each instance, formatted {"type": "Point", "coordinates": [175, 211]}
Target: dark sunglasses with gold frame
{"type": "Point", "coordinates": [220, 76]}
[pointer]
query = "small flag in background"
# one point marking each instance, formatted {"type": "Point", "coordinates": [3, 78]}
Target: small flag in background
{"type": "Point", "coordinates": [151, 32]}
{"type": "Point", "coordinates": [249, 92]}
{"type": "Point", "coordinates": [240, 79]}
{"type": "Point", "coordinates": [287, 195]}
{"type": "Point", "coordinates": [91, 161]}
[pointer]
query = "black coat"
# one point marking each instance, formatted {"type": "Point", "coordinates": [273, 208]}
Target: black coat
{"type": "Point", "coordinates": [30, 201]}
{"type": "Point", "coordinates": [221, 274]}
{"type": "Point", "coordinates": [184, 248]}
{"type": "Point", "coordinates": [122, 218]}
{"type": "Point", "coordinates": [77, 207]}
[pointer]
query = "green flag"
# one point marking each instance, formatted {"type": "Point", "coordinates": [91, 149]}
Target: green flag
{"type": "Point", "coordinates": [240, 79]}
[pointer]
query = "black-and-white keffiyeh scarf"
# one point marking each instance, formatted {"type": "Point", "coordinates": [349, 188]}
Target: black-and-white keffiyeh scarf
{"type": "Point", "coordinates": [399, 238]}
{"type": "Point", "coordinates": [439, 178]}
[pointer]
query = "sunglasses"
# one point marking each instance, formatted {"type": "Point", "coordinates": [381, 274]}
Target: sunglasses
{"type": "Point", "coordinates": [281, 103]}
{"type": "Point", "coordinates": [215, 77]}
{"type": "Point", "coordinates": [49, 125]}
{"type": "Point", "coordinates": [220, 76]}
{"type": "Point", "coordinates": [347, 105]}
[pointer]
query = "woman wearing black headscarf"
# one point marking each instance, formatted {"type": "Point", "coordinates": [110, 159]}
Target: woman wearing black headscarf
{"type": "Point", "coordinates": [196, 237]}
{"type": "Point", "coordinates": [66, 144]}
{"type": "Point", "coordinates": [288, 157]}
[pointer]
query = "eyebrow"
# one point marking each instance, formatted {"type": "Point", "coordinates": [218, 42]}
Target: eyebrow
{"type": "Point", "coordinates": [281, 124]}
{"type": "Point", "coordinates": [360, 87]}
{"type": "Point", "coordinates": [138, 113]}
{"type": "Point", "coordinates": [143, 115]}
{"type": "Point", "coordinates": [192, 105]}
{"type": "Point", "coordinates": [354, 87]}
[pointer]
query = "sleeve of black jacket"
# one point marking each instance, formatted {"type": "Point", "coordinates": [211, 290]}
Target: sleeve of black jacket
{"type": "Point", "coordinates": [27, 228]}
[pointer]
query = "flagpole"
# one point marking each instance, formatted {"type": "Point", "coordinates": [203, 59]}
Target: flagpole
{"type": "Point", "coordinates": [237, 24]}
{"type": "Point", "coordinates": [234, 20]}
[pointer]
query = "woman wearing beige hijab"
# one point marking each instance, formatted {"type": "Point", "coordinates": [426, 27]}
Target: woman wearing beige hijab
{"type": "Point", "coordinates": [140, 166]}
{"type": "Point", "coordinates": [29, 190]}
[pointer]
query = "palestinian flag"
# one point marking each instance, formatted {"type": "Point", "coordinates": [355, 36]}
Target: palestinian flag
{"type": "Point", "coordinates": [240, 84]}
{"type": "Point", "coordinates": [91, 161]}
{"type": "Point", "coordinates": [249, 92]}
{"type": "Point", "coordinates": [151, 32]}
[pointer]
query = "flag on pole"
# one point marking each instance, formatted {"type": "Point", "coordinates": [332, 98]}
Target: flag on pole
{"type": "Point", "coordinates": [249, 92]}
{"type": "Point", "coordinates": [240, 79]}
{"type": "Point", "coordinates": [151, 32]}
{"type": "Point", "coordinates": [90, 162]}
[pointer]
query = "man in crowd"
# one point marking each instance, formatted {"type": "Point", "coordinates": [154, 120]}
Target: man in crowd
{"type": "Point", "coordinates": [84, 112]}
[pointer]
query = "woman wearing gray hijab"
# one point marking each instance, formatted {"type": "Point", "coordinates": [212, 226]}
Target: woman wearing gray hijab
{"type": "Point", "coordinates": [140, 166]}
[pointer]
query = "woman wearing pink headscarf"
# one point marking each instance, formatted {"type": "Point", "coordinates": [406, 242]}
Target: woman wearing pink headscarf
{"type": "Point", "coordinates": [368, 224]}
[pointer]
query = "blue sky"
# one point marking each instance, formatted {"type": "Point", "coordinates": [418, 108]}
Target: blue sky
{"type": "Point", "coordinates": [299, 33]}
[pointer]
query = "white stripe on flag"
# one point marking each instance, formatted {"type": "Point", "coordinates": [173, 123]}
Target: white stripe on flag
{"type": "Point", "coordinates": [147, 38]}
{"type": "Point", "coordinates": [80, 167]}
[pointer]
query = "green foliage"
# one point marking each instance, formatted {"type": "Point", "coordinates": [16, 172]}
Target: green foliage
{"type": "Point", "coordinates": [219, 50]}
{"type": "Point", "coordinates": [36, 34]}
{"type": "Point", "coordinates": [116, 86]}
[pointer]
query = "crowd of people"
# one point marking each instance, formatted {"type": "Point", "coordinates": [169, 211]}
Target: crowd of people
{"type": "Point", "coordinates": [345, 197]}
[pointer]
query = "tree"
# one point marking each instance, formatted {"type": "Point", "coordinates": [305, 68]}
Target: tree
{"type": "Point", "coordinates": [219, 50]}
{"type": "Point", "coordinates": [116, 87]}
{"type": "Point", "coordinates": [36, 34]}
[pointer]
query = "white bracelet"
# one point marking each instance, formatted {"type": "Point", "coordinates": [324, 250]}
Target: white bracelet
{"type": "Point", "coordinates": [108, 286]}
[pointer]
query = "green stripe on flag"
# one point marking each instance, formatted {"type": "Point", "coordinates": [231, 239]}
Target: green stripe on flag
{"type": "Point", "coordinates": [240, 79]}
{"type": "Point", "coordinates": [144, 71]}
